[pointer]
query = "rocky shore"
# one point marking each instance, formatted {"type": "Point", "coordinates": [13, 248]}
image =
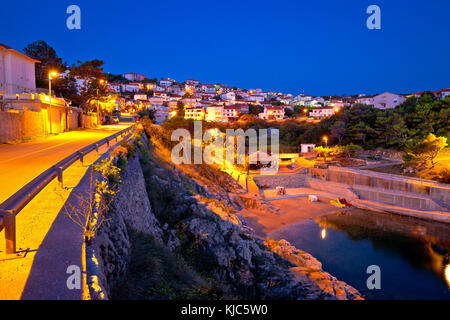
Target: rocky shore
{"type": "Point", "coordinates": [189, 218]}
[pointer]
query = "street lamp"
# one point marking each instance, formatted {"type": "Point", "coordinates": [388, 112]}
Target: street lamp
{"type": "Point", "coordinates": [98, 107]}
{"type": "Point", "coordinates": [326, 141]}
{"type": "Point", "coordinates": [51, 75]}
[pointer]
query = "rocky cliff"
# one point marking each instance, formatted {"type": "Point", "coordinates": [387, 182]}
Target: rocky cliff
{"type": "Point", "coordinates": [176, 232]}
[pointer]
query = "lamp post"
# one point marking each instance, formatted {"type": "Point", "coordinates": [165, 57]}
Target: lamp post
{"type": "Point", "coordinates": [98, 107]}
{"type": "Point", "coordinates": [50, 78]}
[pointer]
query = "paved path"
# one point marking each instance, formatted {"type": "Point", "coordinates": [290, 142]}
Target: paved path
{"type": "Point", "coordinates": [20, 163]}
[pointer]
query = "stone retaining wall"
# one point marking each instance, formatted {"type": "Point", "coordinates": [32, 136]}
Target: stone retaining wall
{"type": "Point", "coordinates": [409, 192]}
{"type": "Point", "coordinates": [24, 124]}
{"type": "Point", "coordinates": [287, 181]}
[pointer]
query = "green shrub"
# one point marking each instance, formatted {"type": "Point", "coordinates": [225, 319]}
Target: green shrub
{"type": "Point", "coordinates": [109, 171]}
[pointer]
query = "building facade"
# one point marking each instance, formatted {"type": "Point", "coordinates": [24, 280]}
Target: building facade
{"type": "Point", "coordinates": [17, 72]}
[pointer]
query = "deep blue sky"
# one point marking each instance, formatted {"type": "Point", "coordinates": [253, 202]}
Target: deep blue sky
{"type": "Point", "coordinates": [322, 47]}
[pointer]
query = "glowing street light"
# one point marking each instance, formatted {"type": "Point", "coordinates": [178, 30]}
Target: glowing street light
{"type": "Point", "coordinates": [323, 233]}
{"type": "Point", "coordinates": [447, 274]}
{"type": "Point", "coordinates": [51, 75]}
{"type": "Point", "coordinates": [326, 141]}
{"type": "Point", "coordinates": [98, 108]}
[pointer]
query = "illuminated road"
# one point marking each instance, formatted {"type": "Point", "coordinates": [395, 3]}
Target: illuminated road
{"type": "Point", "coordinates": [20, 163]}
{"type": "Point", "coordinates": [47, 240]}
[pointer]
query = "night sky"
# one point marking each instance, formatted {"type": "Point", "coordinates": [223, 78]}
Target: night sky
{"type": "Point", "coordinates": [319, 47]}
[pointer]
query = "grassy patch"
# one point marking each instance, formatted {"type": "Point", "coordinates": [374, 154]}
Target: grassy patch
{"type": "Point", "coordinates": [156, 273]}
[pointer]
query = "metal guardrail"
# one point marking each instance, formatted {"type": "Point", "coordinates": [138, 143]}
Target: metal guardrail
{"type": "Point", "coordinates": [14, 204]}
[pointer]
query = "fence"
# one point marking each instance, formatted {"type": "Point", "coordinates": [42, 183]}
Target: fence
{"type": "Point", "coordinates": [14, 204]}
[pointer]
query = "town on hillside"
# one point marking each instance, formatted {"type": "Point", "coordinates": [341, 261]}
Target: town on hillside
{"type": "Point", "coordinates": [101, 199]}
{"type": "Point", "coordinates": [131, 93]}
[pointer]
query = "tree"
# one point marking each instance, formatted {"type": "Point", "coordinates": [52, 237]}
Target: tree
{"type": "Point", "coordinates": [180, 110]}
{"type": "Point", "coordinates": [391, 130]}
{"type": "Point", "coordinates": [150, 114]}
{"type": "Point", "coordinates": [351, 150]}
{"type": "Point", "coordinates": [338, 130]}
{"type": "Point", "coordinates": [90, 73]}
{"type": "Point", "coordinates": [247, 118]}
{"type": "Point", "coordinates": [49, 61]}
{"type": "Point", "coordinates": [288, 112]}
{"type": "Point", "coordinates": [426, 151]}
{"type": "Point", "coordinates": [255, 109]}
{"type": "Point", "coordinates": [323, 152]}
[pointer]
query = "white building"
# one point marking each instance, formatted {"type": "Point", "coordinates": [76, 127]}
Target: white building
{"type": "Point", "coordinates": [165, 82]}
{"type": "Point", "coordinates": [134, 76]}
{"type": "Point", "coordinates": [130, 87]}
{"type": "Point", "coordinates": [301, 99]}
{"type": "Point", "coordinates": [161, 114]}
{"type": "Point", "coordinates": [272, 113]}
{"type": "Point", "coordinates": [441, 94]}
{"type": "Point", "coordinates": [307, 147]}
{"type": "Point", "coordinates": [17, 72]}
{"type": "Point", "coordinates": [322, 112]}
{"type": "Point", "coordinates": [194, 113]}
{"type": "Point", "coordinates": [116, 87]}
{"type": "Point", "coordinates": [215, 113]}
{"type": "Point", "coordinates": [209, 88]}
{"type": "Point", "coordinates": [229, 96]}
{"type": "Point", "coordinates": [231, 113]}
{"type": "Point", "coordinates": [385, 100]}
{"type": "Point", "coordinates": [255, 98]}
{"type": "Point", "coordinates": [140, 97]}
{"type": "Point", "coordinates": [192, 81]}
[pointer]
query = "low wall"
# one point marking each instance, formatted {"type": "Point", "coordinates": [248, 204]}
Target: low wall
{"type": "Point", "coordinates": [73, 120]}
{"type": "Point", "coordinates": [403, 200]}
{"type": "Point", "coordinates": [287, 181]}
{"type": "Point", "coordinates": [391, 189]}
{"type": "Point", "coordinates": [24, 124]}
{"type": "Point", "coordinates": [88, 121]}
{"type": "Point", "coordinates": [18, 126]}
{"type": "Point", "coordinates": [108, 256]}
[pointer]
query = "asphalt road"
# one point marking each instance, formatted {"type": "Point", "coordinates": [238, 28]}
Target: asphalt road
{"type": "Point", "coordinates": [20, 163]}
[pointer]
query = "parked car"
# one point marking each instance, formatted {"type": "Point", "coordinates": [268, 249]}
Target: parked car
{"type": "Point", "coordinates": [106, 120]}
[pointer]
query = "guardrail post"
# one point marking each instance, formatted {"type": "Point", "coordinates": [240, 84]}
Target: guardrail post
{"type": "Point", "coordinates": [107, 142]}
{"type": "Point", "coordinates": [59, 173]}
{"type": "Point", "coordinates": [116, 138]}
{"type": "Point", "coordinates": [9, 222]}
{"type": "Point", "coordinates": [81, 156]}
{"type": "Point", "coordinates": [96, 147]}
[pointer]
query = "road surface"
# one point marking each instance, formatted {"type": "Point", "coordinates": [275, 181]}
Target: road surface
{"type": "Point", "coordinates": [20, 163]}
{"type": "Point", "coordinates": [47, 240]}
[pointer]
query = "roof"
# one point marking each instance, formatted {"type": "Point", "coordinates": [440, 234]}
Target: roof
{"type": "Point", "coordinates": [274, 107]}
{"type": "Point", "coordinates": [8, 48]}
{"type": "Point", "coordinates": [322, 108]}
